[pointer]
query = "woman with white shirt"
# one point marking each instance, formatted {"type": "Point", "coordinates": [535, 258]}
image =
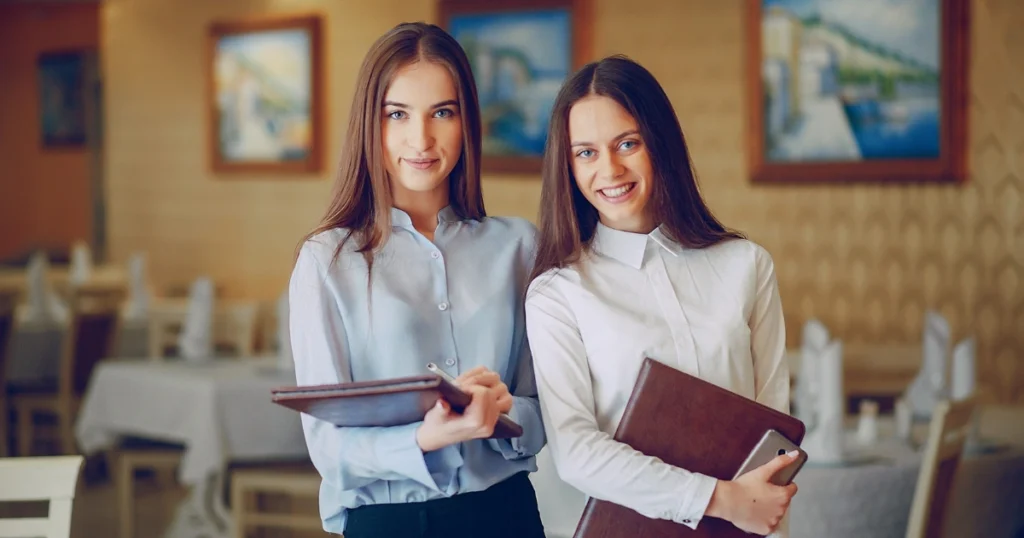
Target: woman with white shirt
{"type": "Point", "coordinates": [404, 270]}
{"type": "Point", "coordinates": [631, 264]}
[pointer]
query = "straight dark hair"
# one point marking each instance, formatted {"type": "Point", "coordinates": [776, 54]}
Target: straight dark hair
{"type": "Point", "coordinates": [567, 220]}
{"type": "Point", "coordinates": [361, 199]}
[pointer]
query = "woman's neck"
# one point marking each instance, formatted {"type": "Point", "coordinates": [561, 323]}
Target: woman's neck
{"type": "Point", "coordinates": [422, 208]}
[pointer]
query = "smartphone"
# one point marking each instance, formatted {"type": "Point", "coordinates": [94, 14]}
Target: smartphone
{"type": "Point", "coordinates": [774, 444]}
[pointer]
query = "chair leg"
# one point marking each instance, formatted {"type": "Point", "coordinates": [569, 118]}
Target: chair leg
{"type": "Point", "coordinates": [5, 427]}
{"type": "Point", "coordinates": [66, 426]}
{"type": "Point", "coordinates": [238, 508]}
{"type": "Point", "coordinates": [25, 431]}
{"type": "Point", "coordinates": [125, 495]}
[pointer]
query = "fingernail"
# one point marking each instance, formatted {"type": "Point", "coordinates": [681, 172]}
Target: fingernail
{"type": "Point", "coordinates": [793, 453]}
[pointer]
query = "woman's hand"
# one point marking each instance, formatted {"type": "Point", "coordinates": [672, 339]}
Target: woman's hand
{"type": "Point", "coordinates": [442, 426]}
{"type": "Point", "coordinates": [486, 378]}
{"type": "Point", "coordinates": [751, 502]}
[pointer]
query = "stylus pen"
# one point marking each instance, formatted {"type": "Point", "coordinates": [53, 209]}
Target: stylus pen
{"type": "Point", "coordinates": [444, 375]}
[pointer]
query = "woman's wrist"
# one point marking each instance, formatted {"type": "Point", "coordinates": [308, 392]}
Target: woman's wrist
{"type": "Point", "coordinates": [721, 500]}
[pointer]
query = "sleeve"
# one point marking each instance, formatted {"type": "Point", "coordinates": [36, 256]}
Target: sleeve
{"type": "Point", "coordinates": [350, 458]}
{"type": "Point", "coordinates": [768, 338]}
{"type": "Point", "coordinates": [523, 386]}
{"type": "Point", "coordinates": [525, 409]}
{"type": "Point", "coordinates": [586, 457]}
{"type": "Point", "coordinates": [768, 348]}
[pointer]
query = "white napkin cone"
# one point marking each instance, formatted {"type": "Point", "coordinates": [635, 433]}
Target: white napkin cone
{"type": "Point", "coordinates": [43, 305]}
{"type": "Point", "coordinates": [196, 340]}
{"type": "Point", "coordinates": [965, 373]}
{"type": "Point", "coordinates": [929, 386]}
{"type": "Point", "coordinates": [139, 295]}
{"type": "Point", "coordinates": [81, 264]}
{"type": "Point", "coordinates": [813, 341]}
{"type": "Point", "coordinates": [284, 344]}
{"type": "Point", "coordinates": [824, 443]}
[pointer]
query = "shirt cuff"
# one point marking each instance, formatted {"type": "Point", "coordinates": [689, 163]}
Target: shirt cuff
{"type": "Point", "coordinates": [696, 502]}
{"type": "Point", "coordinates": [510, 449]}
{"type": "Point", "coordinates": [435, 469]}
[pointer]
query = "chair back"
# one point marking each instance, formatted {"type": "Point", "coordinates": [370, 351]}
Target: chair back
{"type": "Point", "coordinates": [52, 479]}
{"type": "Point", "coordinates": [950, 426]}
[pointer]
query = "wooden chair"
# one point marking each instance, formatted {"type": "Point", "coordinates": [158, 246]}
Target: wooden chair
{"type": "Point", "coordinates": [92, 331]}
{"type": "Point", "coordinates": [235, 324]}
{"type": "Point", "coordinates": [249, 484]}
{"type": "Point", "coordinates": [7, 300]}
{"type": "Point", "coordinates": [947, 434]}
{"type": "Point", "coordinates": [52, 479]}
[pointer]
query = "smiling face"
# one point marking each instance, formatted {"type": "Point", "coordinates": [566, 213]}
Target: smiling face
{"type": "Point", "coordinates": [611, 164]}
{"type": "Point", "coordinates": [421, 130]}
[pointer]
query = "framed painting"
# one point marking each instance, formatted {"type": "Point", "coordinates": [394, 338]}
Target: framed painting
{"type": "Point", "coordinates": [264, 95]}
{"type": "Point", "coordinates": [521, 52]}
{"type": "Point", "coordinates": [62, 98]}
{"type": "Point", "coordinates": [855, 91]}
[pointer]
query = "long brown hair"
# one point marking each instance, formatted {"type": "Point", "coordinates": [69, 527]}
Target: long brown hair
{"type": "Point", "coordinates": [567, 220]}
{"type": "Point", "coordinates": [361, 199]}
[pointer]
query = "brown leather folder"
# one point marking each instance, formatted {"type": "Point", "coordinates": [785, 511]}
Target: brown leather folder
{"type": "Point", "coordinates": [691, 424]}
{"type": "Point", "coordinates": [387, 402]}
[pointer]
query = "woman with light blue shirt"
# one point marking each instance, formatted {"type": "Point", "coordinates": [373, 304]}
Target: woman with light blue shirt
{"type": "Point", "coordinates": [404, 270]}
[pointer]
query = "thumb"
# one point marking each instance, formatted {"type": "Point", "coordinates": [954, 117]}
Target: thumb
{"type": "Point", "coordinates": [777, 464]}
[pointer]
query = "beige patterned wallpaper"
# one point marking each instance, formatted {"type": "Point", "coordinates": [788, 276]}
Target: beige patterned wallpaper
{"type": "Point", "coordinates": [866, 259]}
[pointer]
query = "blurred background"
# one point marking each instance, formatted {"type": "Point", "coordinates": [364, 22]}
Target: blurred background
{"type": "Point", "coordinates": [126, 160]}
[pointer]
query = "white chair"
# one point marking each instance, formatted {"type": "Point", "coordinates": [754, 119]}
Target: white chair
{"type": "Point", "coordinates": [40, 479]}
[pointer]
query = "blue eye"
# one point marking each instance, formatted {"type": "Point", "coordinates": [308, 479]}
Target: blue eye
{"type": "Point", "coordinates": [444, 113]}
{"type": "Point", "coordinates": [397, 114]}
{"type": "Point", "coordinates": [585, 153]}
{"type": "Point", "coordinates": [627, 145]}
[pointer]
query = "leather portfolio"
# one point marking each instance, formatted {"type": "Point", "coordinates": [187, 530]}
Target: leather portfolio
{"type": "Point", "coordinates": [387, 402]}
{"type": "Point", "coordinates": [692, 424]}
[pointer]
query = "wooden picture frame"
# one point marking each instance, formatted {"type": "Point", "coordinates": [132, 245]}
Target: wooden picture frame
{"type": "Point", "coordinates": [515, 119]}
{"type": "Point", "coordinates": [264, 95]}
{"type": "Point", "coordinates": [881, 115]}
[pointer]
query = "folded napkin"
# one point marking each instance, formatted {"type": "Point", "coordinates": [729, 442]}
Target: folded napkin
{"type": "Point", "coordinates": [43, 305]}
{"type": "Point", "coordinates": [284, 343]}
{"type": "Point", "coordinates": [139, 295]}
{"type": "Point", "coordinates": [824, 442]}
{"type": "Point", "coordinates": [813, 341]}
{"type": "Point", "coordinates": [929, 386]}
{"type": "Point", "coordinates": [196, 340]}
{"type": "Point", "coordinates": [81, 264]}
{"type": "Point", "coordinates": [965, 373]}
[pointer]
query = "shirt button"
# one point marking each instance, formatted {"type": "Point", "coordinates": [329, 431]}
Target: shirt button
{"type": "Point", "coordinates": [687, 521]}
{"type": "Point", "coordinates": [449, 362]}
{"type": "Point", "coordinates": [435, 254]}
{"type": "Point", "coordinates": [442, 306]}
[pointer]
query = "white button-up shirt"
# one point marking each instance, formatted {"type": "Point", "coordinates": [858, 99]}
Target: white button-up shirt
{"type": "Point", "coordinates": [713, 313]}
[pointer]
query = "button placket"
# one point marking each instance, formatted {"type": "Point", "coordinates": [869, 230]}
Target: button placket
{"type": "Point", "coordinates": [675, 317]}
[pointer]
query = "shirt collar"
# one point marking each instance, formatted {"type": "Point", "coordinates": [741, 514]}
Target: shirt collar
{"type": "Point", "coordinates": [403, 220]}
{"type": "Point", "coordinates": [629, 247]}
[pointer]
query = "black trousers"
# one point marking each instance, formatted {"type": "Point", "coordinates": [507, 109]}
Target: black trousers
{"type": "Point", "coordinates": [506, 509]}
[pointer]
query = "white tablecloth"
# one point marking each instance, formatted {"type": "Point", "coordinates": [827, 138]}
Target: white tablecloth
{"type": "Point", "coordinates": [870, 500]}
{"type": "Point", "coordinates": [220, 411]}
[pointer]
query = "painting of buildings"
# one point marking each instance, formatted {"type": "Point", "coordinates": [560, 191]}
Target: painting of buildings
{"type": "Point", "coordinates": [519, 61]}
{"type": "Point", "coordinates": [848, 81]}
{"type": "Point", "coordinates": [264, 94]}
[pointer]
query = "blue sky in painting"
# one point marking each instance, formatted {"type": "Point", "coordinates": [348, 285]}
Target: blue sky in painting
{"type": "Point", "coordinates": [909, 27]}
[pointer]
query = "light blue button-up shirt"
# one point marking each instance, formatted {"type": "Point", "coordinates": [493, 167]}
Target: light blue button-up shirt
{"type": "Point", "coordinates": [457, 302]}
